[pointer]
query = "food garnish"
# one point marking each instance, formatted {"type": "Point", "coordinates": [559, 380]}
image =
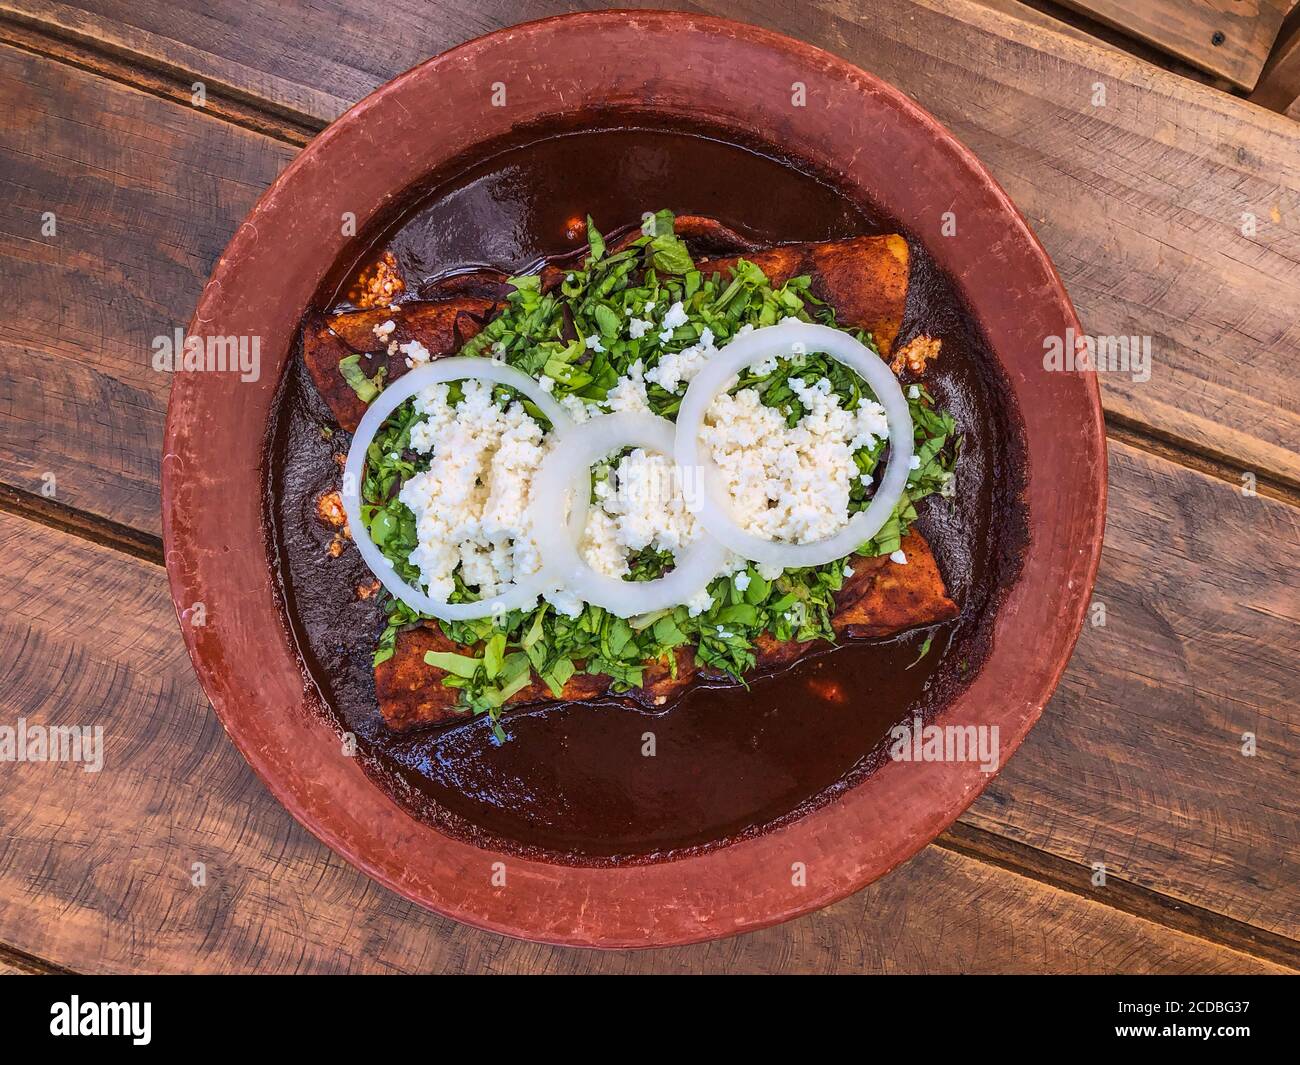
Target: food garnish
{"type": "Point", "coordinates": [602, 375]}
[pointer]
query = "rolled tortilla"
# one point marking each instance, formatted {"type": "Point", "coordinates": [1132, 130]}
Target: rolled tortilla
{"type": "Point", "coordinates": [881, 598]}
{"type": "Point", "coordinates": [442, 328]}
{"type": "Point", "coordinates": [864, 279]}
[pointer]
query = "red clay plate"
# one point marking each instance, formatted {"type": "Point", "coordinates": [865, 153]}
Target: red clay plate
{"type": "Point", "coordinates": [739, 77]}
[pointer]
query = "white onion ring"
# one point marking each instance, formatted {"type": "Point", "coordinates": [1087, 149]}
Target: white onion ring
{"type": "Point", "coordinates": [521, 594]}
{"type": "Point", "coordinates": [562, 479]}
{"type": "Point", "coordinates": [779, 340]}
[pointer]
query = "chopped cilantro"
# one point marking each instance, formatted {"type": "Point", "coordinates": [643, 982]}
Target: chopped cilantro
{"type": "Point", "coordinates": [543, 334]}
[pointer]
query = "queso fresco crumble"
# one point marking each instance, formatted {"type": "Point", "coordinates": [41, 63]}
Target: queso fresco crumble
{"type": "Point", "coordinates": [798, 441]}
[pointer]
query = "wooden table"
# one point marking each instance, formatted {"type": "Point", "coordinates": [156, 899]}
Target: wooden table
{"type": "Point", "coordinates": [1172, 211]}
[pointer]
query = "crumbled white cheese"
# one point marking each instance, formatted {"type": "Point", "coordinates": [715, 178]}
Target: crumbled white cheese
{"type": "Point", "coordinates": [848, 570]}
{"type": "Point", "coordinates": [699, 603]}
{"type": "Point", "coordinates": [384, 328]}
{"type": "Point", "coordinates": [546, 384]}
{"type": "Point", "coordinates": [600, 545]}
{"type": "Point", "coordinates": [470, 504]}
{"type": "Point", "coordinates": [636, 327]}
{"type": "Point", "coordinates": [789, 484]}
{"type": "Point", "coordinates": [416, 353]}
{"type": "Point", "coordinates": [914, 392]}
{"type": "Point", "coordinates": [593, 343]}
{"type": "Point", "coordinates": [578, 408]}
{"type": "Point", "coordinates": [638, 505]}
{"type": "Point", "coordinates": [628, 393]}
{"type": "Point", "coordinates": [898, 557]}
{"type": "Point", "coordinates": [675, 369]}
{"type": "Point", "coordinates": [675, 316]}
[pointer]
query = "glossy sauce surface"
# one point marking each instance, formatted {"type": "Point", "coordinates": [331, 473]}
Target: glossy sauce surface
{"type": "Point", "coordinates": [576, 783]}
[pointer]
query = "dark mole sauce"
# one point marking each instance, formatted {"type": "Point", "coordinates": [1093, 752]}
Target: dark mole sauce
{"type": "Point", "coordinates": [571, 784]}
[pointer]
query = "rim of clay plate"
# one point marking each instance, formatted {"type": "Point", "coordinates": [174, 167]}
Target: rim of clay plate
{"type": "Point", "coordinates": [734, 77]}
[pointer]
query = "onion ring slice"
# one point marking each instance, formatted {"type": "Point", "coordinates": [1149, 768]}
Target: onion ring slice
{"type": "Point", "coordinates": [561, 482]}
{"type": "Point", "coordinates": [782, 340]}
{"type": "Point", "coordinates": [519, 595]}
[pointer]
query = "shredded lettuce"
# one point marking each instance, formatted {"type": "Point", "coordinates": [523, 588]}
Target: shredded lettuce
{"type": "Point", "coordinates": [365, 387]}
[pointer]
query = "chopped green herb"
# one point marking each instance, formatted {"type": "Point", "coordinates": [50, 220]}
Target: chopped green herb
{"type": "Point", "coordinates": [544, 334]}
{"type": "Point", "coordinates": [365, 387]}
{"type": "Point", "coordinates": [925, 650]}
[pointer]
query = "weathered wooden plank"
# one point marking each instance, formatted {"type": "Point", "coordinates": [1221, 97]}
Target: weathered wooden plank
{"type": "Point", "coordinates": [1038, 18]}
{"type": "Point", "coordinates": [1138, 761]}
{"type": "Point", "coordinates": [1279, 85]}
{"type": "Point", "coordinates": [141, 195]}
{"type": "Point", "coordinates": [1232, 40]}
{"type": "Point", "coordinates": [1057, 19]}
{"type": "Point", "coordinates": [1171, 210]}
{"type": "Point", "coordinates": [97, 869]}
{"type": "Point", "coordinates": [1195, 625]}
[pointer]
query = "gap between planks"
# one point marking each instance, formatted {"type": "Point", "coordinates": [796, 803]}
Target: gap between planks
{"type": "Point", "coordinates": [154, 77]}
{"type": "Point", "coordinates": [1218, 465]}
{"type": "Point", "coordinates": [149, 75]}
{"type": "Point", "coordinates": [20, 963]}
{"type": "Point", "coordinates": [1045, 868]}
{"type": "Point", "coordinates": [1019, 860]}
{"type": "Point", "coordinates": [86, 526]}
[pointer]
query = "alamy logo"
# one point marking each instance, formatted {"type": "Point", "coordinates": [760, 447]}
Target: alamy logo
{"type": "Point", "coordinates": [916, 741]}
{"type": "Point", "coordinates": [53, 743]}
{"type": "Point", "coordinates": [75, 1017]}
{"type": "Point", "coordinates": [1102, 354]}
{"type": "Point", "coordinates": [179, 353]}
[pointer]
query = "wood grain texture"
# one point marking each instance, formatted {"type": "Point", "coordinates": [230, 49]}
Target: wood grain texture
{"type": "Point", "coordinates": [1141, 202]}
{"type": "Point", "coordinates": [1025, 13]}
{"type": "Point", "coordinates": [96, 868]}
{"type": "Point", "coordinates": [1279, 85]}
{"type": "Point", "coordinates": [1135, 764]}
{"type": "Point", "coordinates": [144, 195]}
{"type": "Point", "coordinates": [1138, 760]}
{"type": "Point", "coordinates": [1131, 765]}
{"type": "Point", "coordinates": [1226, 37]}
{"type": "Point", "coordinates": [1052, 16]}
